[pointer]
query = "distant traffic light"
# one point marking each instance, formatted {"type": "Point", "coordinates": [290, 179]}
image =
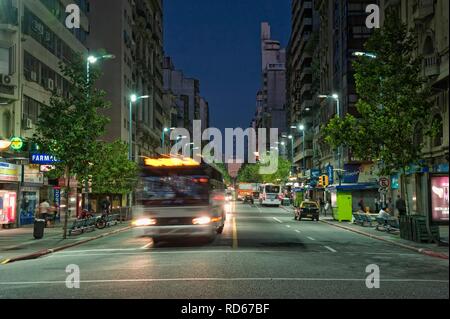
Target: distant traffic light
{"type": "Point", "coordinates": [323, 181]}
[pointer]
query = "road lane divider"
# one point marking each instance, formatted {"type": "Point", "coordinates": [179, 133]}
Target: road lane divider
{"type": "Point", "coordinates": [297, 231]}
{"type": "Point", "coordinates": [310, 238]}
{"type": "Point", "coordinates": [277, 220]}
{"type": "Point", "coordinates": [330, 249]}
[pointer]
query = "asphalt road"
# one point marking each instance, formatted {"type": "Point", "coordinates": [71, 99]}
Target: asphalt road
{"type": "Point", "coordinates": [263, 253]}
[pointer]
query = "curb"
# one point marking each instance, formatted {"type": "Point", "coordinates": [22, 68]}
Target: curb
{"type": "Point", "coordinates": [417, 250]}
{"type": "Point", "coordinates": [44, 252]}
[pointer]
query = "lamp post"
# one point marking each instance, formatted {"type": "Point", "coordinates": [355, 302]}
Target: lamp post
{"type": "Point", "coordinates": [133, 99]}
{"type": "Point", "coordinates": [335, 97]}
{"type": "Point", "coordinates": [364, 54]}
{"type": "Point", "coordinates": [91, 59]}
{"type": "Point", "coordinates": [163, 135]}
{"type": "Point", "coordinates": [301, 127]}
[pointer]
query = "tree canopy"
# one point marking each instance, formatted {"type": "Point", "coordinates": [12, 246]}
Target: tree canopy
{"type": "Point", "coordinates": [393, 102]}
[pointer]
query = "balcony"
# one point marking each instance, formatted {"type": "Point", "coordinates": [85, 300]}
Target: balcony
{"type": "Point", "coordinates": [299, 156]}
{"type": "Point", "coordinates": [424, 9]}
{"type": "Point", "coordinates": [431, 65]}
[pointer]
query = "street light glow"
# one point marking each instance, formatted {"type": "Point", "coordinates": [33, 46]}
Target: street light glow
{"type": "Point", "coordinates": [335, 96]}
{"type": "Point", "coordinates": [290, 137]}
{"type": "Point", "coordinates": [301, 127]}
{"type": "Point", "coordinates": [133, 98]}
{"type": "Point", "coordinates": [92, 59]}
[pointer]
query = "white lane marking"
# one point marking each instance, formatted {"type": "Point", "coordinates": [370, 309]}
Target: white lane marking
{"type": "Point", "coordinates": [297, 231]}
{"type": "Point", "coordinates": [330, 249]}
{"type": "Point", "coordinates": [152, 252]}
{"type": "Point", "coordinates": [13, 283]}
{"type": "Point", "coordinates": [310, 238]}
{"type": "Point", "coordinates": [147, 245]}
{"type": "Point", "coordinates": [288, 226]}
{"type": "Point", "coordinates": [277, 220]}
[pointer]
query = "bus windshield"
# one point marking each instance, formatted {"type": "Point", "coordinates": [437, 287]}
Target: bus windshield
{"type": "Point", "coordinates": [173, 190]}
{"type": "Point", "coordinates": [272, 189]}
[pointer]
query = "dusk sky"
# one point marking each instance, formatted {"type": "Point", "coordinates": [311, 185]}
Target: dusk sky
{"type": "Point", "coordinates": [218, 42]}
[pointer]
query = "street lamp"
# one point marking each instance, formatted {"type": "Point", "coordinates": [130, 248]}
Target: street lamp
{"type": "Point", "coordinates": [335, 96]}
{"type": "Point", "coordinates": [133, 99]}
{"type": "Point", "coordinates": [163, 135]}
{"type": "Point", "coordinates": [364, 54]}
{"type": "Point", "coordinates": [91, 59]}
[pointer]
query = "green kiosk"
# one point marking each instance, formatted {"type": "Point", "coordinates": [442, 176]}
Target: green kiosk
{"type": "Point", "coordinates": [342, 198]}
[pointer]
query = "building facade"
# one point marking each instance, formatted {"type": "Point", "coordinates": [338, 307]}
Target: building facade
{"type": "Point", "coordinates": [272, 96]}
{"type": "Point", "coordinates": [136, 40]}
{"type": "Point", "coordinates": [300, 73]}
{"type": "Point", "coordinates": [191, 106]}
{"type": "Point", "coordinates": [429, 22]}
{"type": "Point", "coordinates": [34, 39]}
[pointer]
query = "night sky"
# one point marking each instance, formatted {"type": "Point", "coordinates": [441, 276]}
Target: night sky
{"type": "Point", "coordinates": [217, 42]}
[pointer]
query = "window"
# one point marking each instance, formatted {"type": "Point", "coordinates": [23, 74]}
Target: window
{"type": "Point", "coordinates": [31, 109]}
{"type": "Point", "coordinates": [5, 61]}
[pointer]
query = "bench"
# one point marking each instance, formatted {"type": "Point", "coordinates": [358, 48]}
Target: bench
{"type": "Point", "coordinates": [82, 225]}
{"type": "Point", "coordinates": [363, 219]}
{"type": "Point", "coordinates": [388, 225]}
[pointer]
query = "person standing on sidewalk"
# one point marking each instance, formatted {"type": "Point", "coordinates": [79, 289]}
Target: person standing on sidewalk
{"type": "Point", "coordinates": [44, 208]}
{"type": "Point", "coordinates": [400, 204]}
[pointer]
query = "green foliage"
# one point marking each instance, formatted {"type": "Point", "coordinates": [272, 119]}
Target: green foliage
{"type": "Point", "coordinates": [223, 169]}
{"type": "Point", "coordinates": [250, 173]}
{"type": "Point", "coordinates": [69, 126]}
{"type": "Point", "coordinates": [112, 172]}
{"type": "Point", "coordinates": [393, 102]}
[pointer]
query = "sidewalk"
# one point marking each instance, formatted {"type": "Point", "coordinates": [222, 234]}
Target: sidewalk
{"type": "Point", "coordinates": [431, 249]}
{"type": "Point", "coordinates": [19, 243]}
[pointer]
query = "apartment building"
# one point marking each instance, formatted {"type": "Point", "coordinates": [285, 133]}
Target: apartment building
{"type": "Point", "coordinates": [135, 37]}
{"type": "Point", "coordinates": [272, 95]}
{"type": "Point", "coordinates": [191, 106]}
{"type": "Point", "coordinates": [300, 90]}
{"type": "Point", "coordinates": [428, 20]}
{"type": "Point", "coordinates": [34, 39]}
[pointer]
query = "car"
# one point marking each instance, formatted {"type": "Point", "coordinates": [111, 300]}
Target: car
{"type": "Point", "coordinates": [307, 209]}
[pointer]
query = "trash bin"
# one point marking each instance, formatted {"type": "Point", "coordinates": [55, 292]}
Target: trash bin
{"type": "Point", "coordinates": [38, 230]}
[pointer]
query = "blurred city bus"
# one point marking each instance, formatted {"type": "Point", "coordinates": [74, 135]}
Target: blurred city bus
{"type": "Point", "coordinates": [179, 197]}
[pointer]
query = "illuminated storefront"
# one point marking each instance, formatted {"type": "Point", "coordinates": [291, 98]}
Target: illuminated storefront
{"type": "Point", "coordinates": [9, 182]}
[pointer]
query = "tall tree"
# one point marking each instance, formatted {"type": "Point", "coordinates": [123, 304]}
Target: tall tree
{"type": "Point", "coordinates": [70, 125]}
{"type": "Point", "coordinates": [393, 104]}
{"type": "Point", "coordinates": [111, 170]}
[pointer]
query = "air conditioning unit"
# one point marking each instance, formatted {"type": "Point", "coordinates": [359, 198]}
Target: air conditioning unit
{"type": "Point", "coordinates": [33, 76]}
{"type": "Point", "coordinates": [50, 84]}
{"type": "Point", "coordinates": [28, 124]}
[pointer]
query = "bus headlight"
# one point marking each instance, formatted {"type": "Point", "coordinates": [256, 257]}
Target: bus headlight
{"type": "Point", "coordinates": [201, 220]}
{"type": "Point", "coordinates": [144, 222]}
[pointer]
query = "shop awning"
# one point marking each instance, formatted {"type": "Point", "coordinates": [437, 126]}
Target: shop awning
{"type": "Point", "coordinates": [353, 187]}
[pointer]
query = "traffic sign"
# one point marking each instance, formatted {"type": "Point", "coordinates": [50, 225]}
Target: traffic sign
{"type": "Point", "coordinates": [384, 182]}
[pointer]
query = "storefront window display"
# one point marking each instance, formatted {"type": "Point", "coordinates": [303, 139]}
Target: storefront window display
{"type": "Point", "coordinates": [28, 207]}
{"type": "Point", "coordinates": [7, 207]}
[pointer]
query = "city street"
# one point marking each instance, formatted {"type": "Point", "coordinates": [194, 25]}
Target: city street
{"type": "Point", "coordinates": [262, 253]}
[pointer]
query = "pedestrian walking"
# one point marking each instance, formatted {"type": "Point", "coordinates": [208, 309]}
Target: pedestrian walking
{"type": "Point", "coordinates": [44, 210]}
{"type": "Point", "coordinates": [106, 205]}
{"type": "Point", "coordinates": [321, 205]}
{"type": "Point", "coordinates": [377, 204]}
{"type": "Point", "coordinates": [400, 205]}
{"type": "Point", "coordinates": [327, 207]}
